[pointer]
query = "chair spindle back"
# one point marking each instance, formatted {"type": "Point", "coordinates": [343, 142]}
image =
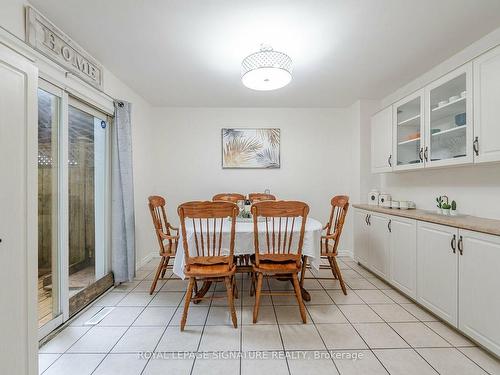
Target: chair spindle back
{"type": "Point", "coordinates": [340, 205]}
{"type": "Point", "coordinates": [283, 229]}
{"type": "Point", "coordinates": [258, 197]}
{"type": "Point", "coordinates": [228, 197]}
{"type": "Point", "coordinates": [161, 225]}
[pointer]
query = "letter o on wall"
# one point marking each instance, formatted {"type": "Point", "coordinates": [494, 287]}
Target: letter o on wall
{"type": "Point", "coordinates": [66, 53]}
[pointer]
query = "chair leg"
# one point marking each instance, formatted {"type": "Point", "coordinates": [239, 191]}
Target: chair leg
{"type": "Point", "coordinates": [258, 290]}
{"type": "Point", "coordinates": [235, 288]}
{"type": "Point", "coordinates": [230, 300]}
{"type": "Point", "coordinates": [252, 284]}
{"type": "Point", "coordinates": [303, 271]}
{"type": "Point", "coordinates": [332, 267]}
{"type": "Point", "coordinates": [339, 275]}
{"type": "Point", "coordinates": [165, 264]}
{"type": "Point", "coordinates": [157, 275]}
{"type": "Point", "coordinates": [189, 294]}
{"type": "Point", "coordinates": [298, 294]}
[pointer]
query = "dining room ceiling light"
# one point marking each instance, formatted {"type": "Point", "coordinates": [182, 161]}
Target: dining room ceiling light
{"type": "Point", "coordinates": [266, 70]}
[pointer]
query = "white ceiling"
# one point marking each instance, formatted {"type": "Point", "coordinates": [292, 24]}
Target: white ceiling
{"type": "Point", "coordinates": [188, 52]}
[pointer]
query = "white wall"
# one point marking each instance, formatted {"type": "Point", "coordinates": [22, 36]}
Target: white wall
{"type": "Point", "coordinates": [475, 188]}
{"type": "Point", "coordinates": [12, 19]}
{"type": "Point", "coordinates": [316, 156]}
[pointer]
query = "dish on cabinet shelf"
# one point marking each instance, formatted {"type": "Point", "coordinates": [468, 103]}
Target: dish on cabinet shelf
{"type": "Point", "coordinates": [463, 94]}
{"type": "Point", "coordinates": [442, 103]}
{"type": "Point", "coordinates": [453, 98]}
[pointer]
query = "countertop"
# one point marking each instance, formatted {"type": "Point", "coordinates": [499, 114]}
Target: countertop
{"type": "Point", "coordinates": [474, 223]}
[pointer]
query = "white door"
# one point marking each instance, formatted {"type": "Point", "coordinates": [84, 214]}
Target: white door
{"type": "Point", "coordinates": [361, 237]}
{"type": "Point", "coordinates": [18, 207]}
{"type": "Point", "coordinates": [437, 270]}
{"type": "Point", "coordinates": [379, 245]}
{"type": "Point", "coordinates": [381, 135]}
{"type": "Point", "coordinates": [487, 107]}
{"type": "Point", "coordinates": [479, 287]}
{"type": "Point", "coordinates": [403, 254]}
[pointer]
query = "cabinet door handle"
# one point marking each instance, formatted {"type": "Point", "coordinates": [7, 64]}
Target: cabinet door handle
{"type": "Point", "coordinates": [369, 219]}
{"type": "Point", "coordinates": [461, 245]}
{"type": "Point", "coordinates": [475, 146]}
{"type": "Point", "coordinates": [366, 219]}
{"type": "Point", "coordinates": [421, 154]}
{"type": "Point", "coordinates": [389, 160]}
{"type": "Point", "coordinates": [454, 244]}
{"type": "Point", "coordinates": [426, 153]}
{"type": "Point", "coordinates": [389, 226]}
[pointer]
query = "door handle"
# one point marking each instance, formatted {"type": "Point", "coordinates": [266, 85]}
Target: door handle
{"type": "Point", "coordinates": [461, 245]}
{"type": "Point", "coordinates": [366, 219]}
{"type": "Point", "coordinates": [389, 160]}
{"type": "Point", "coordinates": [426, 153]}
{"type": "Point", "coordinates": [475, 146]}
{"type": "Point", "coordinates": [454, 244]}
{"type": "Point", "coordinates": [421, 154]}
{"type": "Point", "coordinates": [369, 219]}
{"type": "Point", "coordinates": [389, 226]}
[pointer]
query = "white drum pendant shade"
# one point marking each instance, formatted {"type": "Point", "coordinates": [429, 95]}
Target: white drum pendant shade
{"type": "Point", "coordinates": [266, 70]}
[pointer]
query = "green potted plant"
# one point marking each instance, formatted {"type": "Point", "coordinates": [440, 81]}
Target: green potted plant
{"type": "Point", "coordinates": [440, 202]}
{"type": "Point", "coordinates": [445, 208]}
{"type": "Point", "coordinates": [453, 211]}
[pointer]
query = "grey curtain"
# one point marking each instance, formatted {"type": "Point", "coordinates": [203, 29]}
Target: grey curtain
{"type": "Point", "coordinates": [122, 196]}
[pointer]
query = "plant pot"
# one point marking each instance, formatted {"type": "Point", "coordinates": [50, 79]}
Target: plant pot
{"type": "Point", "coordinates": [439, 211]}
{"type": "Point", "coordinates": [446, 211]}
{"type": "Point", "coordinates": [453, 213]}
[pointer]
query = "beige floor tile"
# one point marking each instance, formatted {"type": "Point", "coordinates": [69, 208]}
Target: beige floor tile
{"type": "Point", "coordinates": [396, 296]}
{"type": "Point", "coordinates": [177, 366]}
{"type": "Point", "coordinates": [197, 315]}
{"type": "Point", "coordinates": [340, 336]}
{"type": "Point", "coordinates": [220, 338]}
{"type": "Point", "coordinates": [301, 337]}
{"type": "Point", "coordinates": [360, 314]}
{"type": "Point", "coordinates": [64, 340]}
{"type": "Point", "coordinates": [404, 362]}
{"type": "Point", "coordinates": [331, 284]}
{"type": "Point", "coordinates": [145, 286]}
{"type": "Point", "coordinates": [221, 315]}
{"type": "Point", "coordinates": [311, 365]}
{"type": "Point", "coordinates": [373, 296]}
{"type": "Point", "coordinates": [173, 340]}
{"type": "Point", "coordinates": [138, 339]}
{"type": "Point", "coordinates": [449, 334]}
{"type": "Point", "coordinates": [260, 337]}
{"type": "Point", "coordinates": [319, 297]}
{"type": "Point", "coordinates": [171, 299]}
{"type": "Point", "coordinates": [216, 366]}
{"type": "Point", "coordinates": [419, 312]}
{"type": "Point", "coordinates": [379, 283]}
{"type": "Point", "coordinates": [483, 359]}
{"type": "Point", "coordinates": [45, 360]}
{"type": "Point", "coordinates": [418, 335]}
{"type": "Point", "coordinates": [266, 315]}
{"type": "Point", "coordinates": [155, 316]}
{"type": "Point", "coordinates": [121, 317]}
{"type": "Point", "coordinates": [449, 361]}
{"type": "Point", "coordinates": [98, 340]}
{"type": "Point", "coordinates": [326, 314]}
{"type": "Point", "coordinates": [290, 315]}
{"type": "Point", "coordinates": [274, 363]}
{"type": "Point", "coordinates": [135, 299]}
{"type": "Point", "coordinates": [110, 299]}
{"type": "Point", "coordinates": [175, 285]}
{"type": "Point", "coordinates": [365, 364]}
{"type": "Point", "coordinates": [123, 364]}
{"type": "Point", "coordinates": [393, 313]}
{"type": "Point", "coordinates": [380, 335]}
{"type": "Point", "coordinates": [75, 364]}
{"type": "Point", "coordinates": [341, 299]}
{"type": "Point", "coordinates": [360, 284]}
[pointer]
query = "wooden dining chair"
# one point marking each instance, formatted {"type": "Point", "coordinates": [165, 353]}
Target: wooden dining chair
{"type": "Point", "coordinates": [258, 197]}
{"type": "Point", "coordinates": [228, 197]}
{"type": "Point", "coordinates": [167, 241]}
{"type": "Point", "coordinates": [208, 252]}
{"type": "Point", "coordinates": [278, 239]}
{"type": "Point", "coordinates": [330, 240]}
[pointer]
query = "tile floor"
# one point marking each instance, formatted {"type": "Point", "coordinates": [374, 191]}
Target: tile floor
{"type": "Point", "coordinates": [372, 330]}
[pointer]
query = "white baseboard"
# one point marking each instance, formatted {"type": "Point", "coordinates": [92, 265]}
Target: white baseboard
{"type": "Point", "coordinates": [141, 262]}
{"type": "Point", "coordinates": [346, 253]}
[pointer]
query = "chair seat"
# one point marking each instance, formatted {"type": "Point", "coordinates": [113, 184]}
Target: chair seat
{"type": "Point", "coordinates": [209, 270]}
{"type": "Point", "coordinates": [277, 267]}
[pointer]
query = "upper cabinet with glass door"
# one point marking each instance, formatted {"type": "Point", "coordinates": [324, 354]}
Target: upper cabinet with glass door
{"type": "Point", "coordinates": [449, 119]}
{"type": "Point", "coordinates": [408, 132]}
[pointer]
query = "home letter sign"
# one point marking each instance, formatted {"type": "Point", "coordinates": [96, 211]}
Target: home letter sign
{"type": "Point", "coordinates": [46, 38]}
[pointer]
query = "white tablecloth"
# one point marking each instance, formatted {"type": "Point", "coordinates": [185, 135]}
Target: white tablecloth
{"type": "Point", "coordinates": [244, 241]}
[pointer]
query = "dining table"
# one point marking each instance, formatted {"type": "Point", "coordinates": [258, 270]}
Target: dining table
{"type": "Point", "coordinates": [244, 244]}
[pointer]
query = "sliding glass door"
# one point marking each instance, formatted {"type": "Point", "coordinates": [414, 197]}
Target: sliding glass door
{"type": "Point", "coordinates": [87, 187]}
{"type": "Point", "coordinates": [49, 120]}
{"type": "Point", "coordinates": [73, 224]}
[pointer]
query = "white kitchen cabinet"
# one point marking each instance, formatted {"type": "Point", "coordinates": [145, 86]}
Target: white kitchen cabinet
{"type": "Point", "coordinates": [18, 218]}
{"type": "Point", "coordinates": [381, 137]}
{"type": "Point", "coordinates": [408, 131]}
{"type": "Point", "coordinates": [437, 270]}
{"type": "Point", "coordinates": [403, 254]}
{"type": "Point", "coordinates": [487, 107]}
{"type": "Point", "coordinates": [448, 119]}
{"type": "Point", "coordinates": [361, 237]}
{"type": "Point", "coordinates": [379, 244]}
{"type": "Point", "coordinates": [479, 288]}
